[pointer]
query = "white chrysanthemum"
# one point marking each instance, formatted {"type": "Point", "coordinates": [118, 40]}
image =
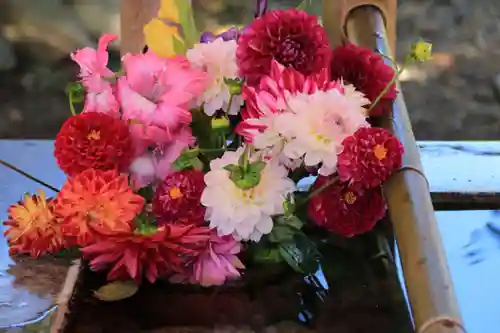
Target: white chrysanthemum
{"type": "Point", "coordinates": [316, 125]}
{"type": "Point", "coordinates": [218, 59]}
{"type": "Point", "coordinates": [247, 214]}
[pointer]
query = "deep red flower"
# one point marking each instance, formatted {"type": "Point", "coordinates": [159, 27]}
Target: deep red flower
{"type": "Point", "coordinates": [177, 199]}
{"type": "Point", "coordinates": [292, 37]}
{"type": "Point", "coordinates": [345, 212]}
{"type": "Point", "coordinates": [93, 140]}
{"type": "Point", "coordinates": [366, 71]}
{"type": "Point", "coordinates": [369, 157]}
{"type": "Point", "coordinates": [168, 250]}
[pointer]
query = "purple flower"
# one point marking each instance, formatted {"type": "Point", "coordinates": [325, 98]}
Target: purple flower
{"type": "Point", "coordinates": [230, 34]}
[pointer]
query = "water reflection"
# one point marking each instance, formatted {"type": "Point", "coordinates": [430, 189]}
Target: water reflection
{"type": "Point", "coordinates": [472, 243]}
{"type": "Point", "coordinates": [28, 287]}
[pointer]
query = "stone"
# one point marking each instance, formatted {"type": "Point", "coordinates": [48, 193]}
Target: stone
{"type": "Point", "coordinates": [7, 56]}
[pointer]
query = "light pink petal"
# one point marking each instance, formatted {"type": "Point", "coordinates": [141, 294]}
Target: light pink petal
{"type": "Point", "coordinates": [104, 102]}
{"type": "Point", "coordinates": [143, 71]}
{"type": "Point", "coordinates": [134, 106]}
{"type": "Point", "coordinates": [171, 152]}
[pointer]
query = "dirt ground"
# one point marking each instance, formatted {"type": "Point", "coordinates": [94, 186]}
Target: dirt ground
{"type": "Point", "coordinates": [456, 96]}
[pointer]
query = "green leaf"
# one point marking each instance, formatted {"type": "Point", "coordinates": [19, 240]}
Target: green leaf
{"type": "Point", "coordinates": [235, 85]}
{"type": "Point", "coordinates": [282, 234]}
{"type": "Point", "coordinates": [262, 254]}
{"type": "Point", "coordinates": [289, 206]}
{"type": "Point", "coordinates": [116, 291]}
{"type": "Point", "coordinates": [188, 160]}
{"type": "Point", "coordinates": [257, 166]}
{"type": "Point", "coordinates": [301, 254]}
{"type": "Point", "coordinates": [291, 221]}
{"type": "Point", "coordinates": [305, 5]}
{"type": "Point", "coordinates": [186, 20]}
{"type": "Point", "coordinates": [147, 193]}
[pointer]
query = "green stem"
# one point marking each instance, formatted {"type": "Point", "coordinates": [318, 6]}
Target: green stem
{"type": "Point", "coordinates": [388, 86]}
{"type": "Point", "coordinates": [229, 104]}
{"type": "Point", "coordinates": [71, 106]}
{"type": "Point", "coordinates": [27, 175]}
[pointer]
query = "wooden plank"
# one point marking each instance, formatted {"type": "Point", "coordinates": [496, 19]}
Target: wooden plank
{"type": "Point", "coordinates": [462, 175]}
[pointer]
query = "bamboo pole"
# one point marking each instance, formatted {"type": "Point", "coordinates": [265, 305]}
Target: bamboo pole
{"type": "Point", "coordinates": [134, 14]}
{"type": "Point", "coordinates": [426, 272]}
{"type": "Point", "coordinates": [338, 11]}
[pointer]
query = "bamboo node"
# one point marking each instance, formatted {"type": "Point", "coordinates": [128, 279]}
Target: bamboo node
{"type": "Point", "coordinates": [412, 168]}
{"type": "Point", "coordinates": [445, 321]}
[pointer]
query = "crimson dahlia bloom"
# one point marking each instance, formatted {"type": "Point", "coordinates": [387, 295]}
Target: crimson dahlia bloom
{"type": "Point", "coordinates": [167, 250]}
{"type": "Point", "coordinates": [177, 199]}
{"type": "Point", "coordinates": [369, 157]}
{"type": "Point", "coordinates": [93, 140]}
{"type": "Point", "coordinates": [292, 37]}
{"type": "Point", "coordinates": [343, 211]}
{"type": "Point", "coordinates": [366, 71]}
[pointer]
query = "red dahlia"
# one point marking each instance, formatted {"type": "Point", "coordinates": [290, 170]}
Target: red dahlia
{"type": "Point", "coordinates": [292, 37]}
{"type": "Point", "coordinates": [369, 157]}
{"type": "Point", "coordinates": [366, 71]}
{"type": "Point", "coordinates": [93, 140]}
{"type": "Point", "coordinates": [345, 212]}
{"type": "Point", "coordinates": [177, 199]}
{"type": "Point", "coordinates": [167, 250]}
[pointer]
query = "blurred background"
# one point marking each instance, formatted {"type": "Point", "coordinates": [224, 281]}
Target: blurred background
{"type": "Point", "coordinates": [454, 96]}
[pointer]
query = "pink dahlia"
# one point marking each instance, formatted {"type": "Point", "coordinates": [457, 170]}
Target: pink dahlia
{"type": "Point", "coordinates": [94, 73]}
{"type": "Point", "coordinates": [177, 198]}
{"type": "Point", "coordinates": [343, 211]}
{"type": "Point", "coordinates": [156, 91]}
{"type": "Point", "coordinates": [270, 95]}
{"type": "Point", "coordinates": [366, 71]}
{"type": "Point", "coordinates": [152, 255]}
{"type": "Point", "coordinates": [292, 37]}
{"type": "Point", "coordinates": [369, 157]}
{"type": "Point", "coordinates": [217, 264]}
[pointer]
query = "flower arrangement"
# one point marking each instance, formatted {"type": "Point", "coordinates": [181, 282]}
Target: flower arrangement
{"type": "Point", "coordinates": [205, 154]}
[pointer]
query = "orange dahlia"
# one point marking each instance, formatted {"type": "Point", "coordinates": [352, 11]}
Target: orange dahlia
{"type": "Point", "coordinates": [153, 253]}
{"type": "Point", "coordinates": [32, 227]}
{"type": "Point", "coordinates": [97, 202]}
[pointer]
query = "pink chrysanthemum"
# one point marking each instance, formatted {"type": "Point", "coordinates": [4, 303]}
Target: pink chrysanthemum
{"type": "Point", "coordinates": [345, 212]}
{"type": "Point", "coordinates": [270, 95]}
{"type": "Point", "coordinates": [215, 265]}
{"type": "Point", "coordinates": [292, 37]}
{"type": "Point", "coordinates": [369, 157]}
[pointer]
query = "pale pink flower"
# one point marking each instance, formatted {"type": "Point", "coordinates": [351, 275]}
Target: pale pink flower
{"type": "Point", "coordinates": [316, 125]}
{"type": "Point", "coordinates": [155, 165]}
{"type": "Point", "coordinates": [246, 214]}
{"type": "Point", "coordinates": [271, 95]}
{"type": "Point", "coordinates": [156, 91]}
{"type": "Point", "coordinates": [216, 265]}
{"type": "Point", "coordinates": [100, 95]}
{"type": "Point", "coordinates": [218, 60]}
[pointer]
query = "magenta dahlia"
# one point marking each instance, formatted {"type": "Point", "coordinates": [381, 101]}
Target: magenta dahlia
{"type": "Point", "coordinates": [343, 211]}
{"type": "Point", "coordinates": [369, 157]}
{"type": "Point", "coordinates": [177, 198]}
{"type": "Point", "coordinates": [292, 37]}
{"type": "Point", "coordinates": [366, 71]}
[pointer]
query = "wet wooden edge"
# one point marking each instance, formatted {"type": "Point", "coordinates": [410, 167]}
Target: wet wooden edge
{"type": "Point", "coordinates": [59, 322]}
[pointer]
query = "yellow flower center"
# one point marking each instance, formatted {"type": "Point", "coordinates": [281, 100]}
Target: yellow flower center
{"type": "Point", "coordinates": [94, 135]}
{"type": "Point", "coordinates": [380, 152]}
{"type": "Point", "coordinates": [350, 198]}
{"type": "Point", "coordinates": [175, 193]}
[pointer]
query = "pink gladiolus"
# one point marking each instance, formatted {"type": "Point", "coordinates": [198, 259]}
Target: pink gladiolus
{"type": "Point", "coordinates": [158, 164]}
{"type": "Point", "coordinates": [156, 91]}
{"type": "Point", "coordinates": [93, 72]}
{"type": "Point", "coordinates": [217, 264]}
